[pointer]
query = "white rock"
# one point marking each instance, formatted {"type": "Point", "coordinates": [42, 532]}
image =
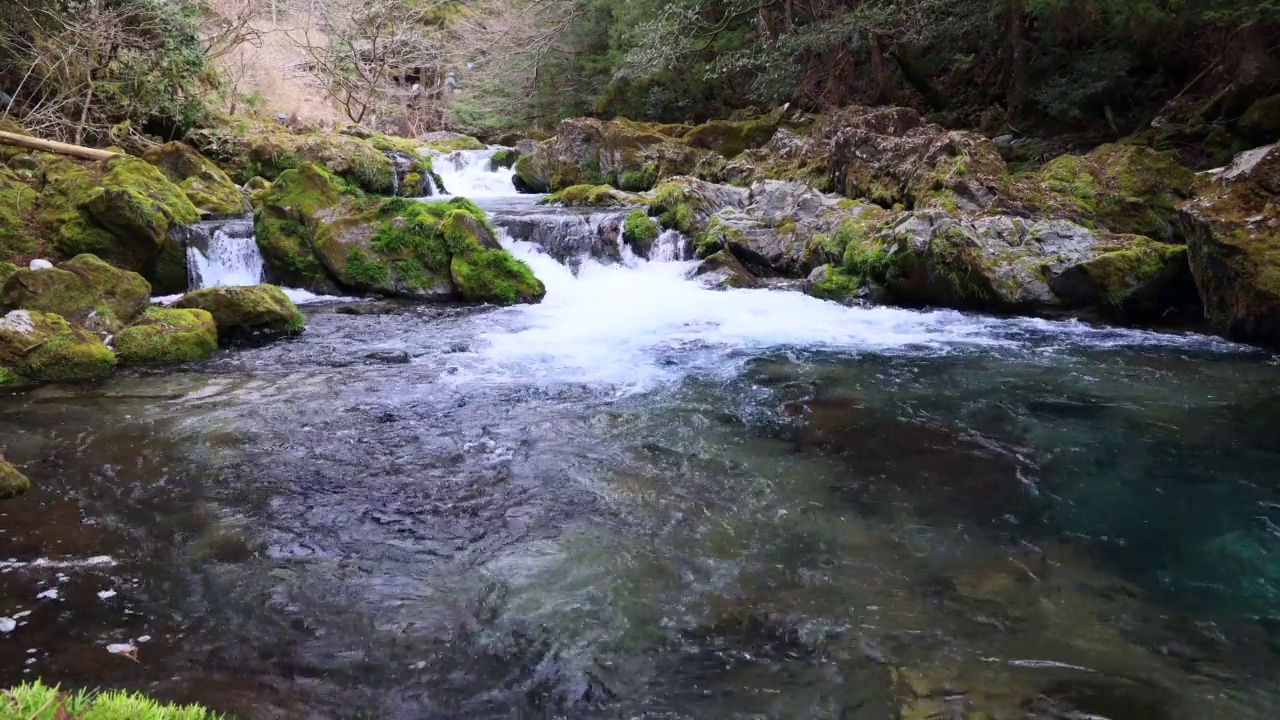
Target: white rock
{"type": "Point", "coordinates": [122, 649]}
{"type": "Point", "coordinates": [40, 265]}
{"type": "Point", "coordinates": [8, 625]}
{"type": "Point", "coordinates": [50, 594]}
{"type": "Point", "coordinates": [143, 639]}
{"type": "Point", "coordinates": [18, 321]}
{"type": "Point", "coordinates": [107, 594]}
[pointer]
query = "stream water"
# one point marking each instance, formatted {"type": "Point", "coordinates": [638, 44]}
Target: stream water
{"type": "Point", "coordinates": [645, 499]}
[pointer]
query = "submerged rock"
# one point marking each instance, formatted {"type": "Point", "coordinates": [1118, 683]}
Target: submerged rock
{"type": "Point", "coordinates": [84, 290]}
{"type": "Point", "coordinates": [262, 312]}
{"type": "Point", "coordinates": [44, 347]}
{"type": "Point", "coordinates": [1233, 240]}
{"type": "Point", "coordinates": [12, 482]}
{"type": "Point", "coordinates": [166, 336]}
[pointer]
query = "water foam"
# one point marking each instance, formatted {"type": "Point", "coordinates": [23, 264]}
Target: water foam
{"type": "Point", "coordinates": [467, 173]}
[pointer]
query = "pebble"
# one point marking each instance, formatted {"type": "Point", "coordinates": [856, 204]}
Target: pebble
{"type": "Point", "coordinates": [40, 265]}
{"type": "Point", "coordinates": [107, 594]}
{"type": "Point", "coordinates": [50, 594]}
{"type": "Point", "coordinates": [8, 625]}
{"type": "Point", "coordinates": [121, 649]}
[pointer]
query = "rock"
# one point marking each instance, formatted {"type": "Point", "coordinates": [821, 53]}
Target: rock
{"type": "Point", "coordinates": [17, 210]}
{"type": "Point", "coordinates": [1126, 189]}
{"type": "Point", "coordinates": [247, 150]}
{"type": "Point", "coordinates": [830, 282]}
{"type": "Point", "coordinates": [639, 232]}
{"type": "Point", "coordinates": [722, 270]}
{"type": "Point", "coordinates": [787, 156]}
{"type": "Point", "coordinates": [687, 204]}
{"type": "Point", "coordinates": [206, 186]}
{"type": "Point", "coordinates": [12, 484]}
{"type": "Point", "coordinates": [481, 269]}
{"type": "Point", "coordinates": [40, 265]}
{"type": "Point", "coordinates": [391, 357]}
{"type": "Point", "coordinates": [1233, 244]}
{"type": "Point", "coordinates": [592, 196]}
{"type": "Point", "coordinates": [1141, 279]}
{"type": "Point", "coordinates": [7, 270]}
{"type": "Point", "coordinates": [262, 312]}
{"type": "Point", "coordinates": [890, 156]}
{"type": "Point", "coordinates": [120, 210]}
{"type": "Point", "coordinates": [44, 347]}
{"type": "Point", "coordinates": [256, 184]}
{"type": "Point", "coordinates": [79, 288]}
{"type": "Point", "coordinates": [166, 336]}
{"type": "Point", "coordinates": [446, 142]}
{"type": "Point", "coordinates": [284, 220]}
{"type": "Point", "coordinates": [1262, 120]}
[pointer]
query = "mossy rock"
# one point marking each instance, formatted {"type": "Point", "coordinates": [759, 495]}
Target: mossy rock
{"type": "Point", "coordinates": [18, 241]}
{"type": "Point", "coordinates": [167, 336]}
{"type": "Point", "coordinates": [687, 204]}
{"type": "Point", "coordinates": [592, 196]}
{"type": "Point", "coordinates": [1233, 242]}
{"type": "Point", "coordinates": [121, 210]}
{"type": "Point", "coordinates": [447, 142]}
{"type": "Point", "coordinates": [7, 270]}
{"type": "Point", "coordinates": [284, 225]}
{"type": "Point", "coordinates": [730, 139]}
{"type": "Point", "coordinates": [45, 347]}
{"type": "Point", "coordinates": [78, 290]}
{"type": "Point", "coordinates": [12, 482]}
{"type": "Point", "coordinates": [723, 270]}
{"type": "Point", "coordinates": [262, 312]}
{"type": "Point", "coordinates": [256, 184]}
{"type": "Point", "coordinates": [831, 282]}
{"type": "Point", "coordinates": [1140, 279]}
{"type": "Point", "coordinates": [503, 159]}
{"type": "Point", "coordinates": [251, 149]}
{"type": "Point", "coordinates": [531, 175]}
{"type": "Point", "coordinates": [1261, 121]}
{"type": "Point", "coordinates": [206, 186]}
{"type": "Point", "coordinates": [639, 231]}
{"type": "Point", "coordinates": [1127, 189]}
{"type": "Point", "coordinates": [482, 270]}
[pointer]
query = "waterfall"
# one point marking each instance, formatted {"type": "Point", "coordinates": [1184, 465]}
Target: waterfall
{"type": "Point", "coordinates": [671, 246]}
{"type": "Point", "coordinates": [223, 252]}
{"type": "Point", "coordinates": [403, 164]}
{"type": "Point", "coordinates": [468, 173]}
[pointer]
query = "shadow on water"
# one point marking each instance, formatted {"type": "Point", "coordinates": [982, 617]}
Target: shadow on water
{"type": "Point", "coordinates": [362, 523]}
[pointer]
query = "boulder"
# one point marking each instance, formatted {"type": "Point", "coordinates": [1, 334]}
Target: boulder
{"type": "Point", "coordinates": [722, 270]}
{"type": "Point", "coordinates": [1262, 120]}
{"type": "Point", "coordinates": [639, 232]}
{"type": "Point", "coordinates": [44, 347]}
{"type": "Point", "coordinates": [120, 210]}
{"type": "Point", "coordinates": [284, 221]}
{"type": "Point", "coordinates": [167, 336]}
{"type": "Point", "coordinates": [592, 196]}
{"type": "Point", "coordinates": [247, 150]}
{"type": "Point", "coordinates": [7, 270]}
{"type": "Point", "coordinates": [17, 203]}
{"type": "Point", "coordinates": [262, 312]}
{"type": "Point", "coordinates": [206, 186]}
{"type": "Point", "coordinates": [891, 156]}
{"type": "Point", "coordinates": [1125, 189]}
{"type": "Point", "coordinates": [481, 269]}
{"type": "Point", "coordinates": [1233, 243]}
{"type": "Point", "coordinates": [688, 204]}
{"type": "Point", "coordinates": [12, 482]}
{"type": "Point", "coordinates": [84, 290]}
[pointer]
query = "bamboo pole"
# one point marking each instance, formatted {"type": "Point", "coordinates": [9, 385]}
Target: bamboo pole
{"type": "Point", "coordinates": [76, 151]}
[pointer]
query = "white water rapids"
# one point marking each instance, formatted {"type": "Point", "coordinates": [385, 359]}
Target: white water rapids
{"type": "Point", "coordinates": [466, 173]}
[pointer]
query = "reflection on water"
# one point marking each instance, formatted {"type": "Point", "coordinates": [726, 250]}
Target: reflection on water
{"type": "Point", "coordinates": [1001, 518]}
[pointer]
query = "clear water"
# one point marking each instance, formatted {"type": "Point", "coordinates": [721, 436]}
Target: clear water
{"type": "Point", "coordinates": [642, 498]}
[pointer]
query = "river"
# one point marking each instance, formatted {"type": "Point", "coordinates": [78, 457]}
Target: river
{"type": "Point", "coordinates": [646, 499]}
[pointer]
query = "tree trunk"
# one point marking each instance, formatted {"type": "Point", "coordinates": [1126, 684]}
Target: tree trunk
{"type": "Point", "coordinates": [886, 92]}
{"type": "Point", "coordinates": [788, 20]}
{"type": "Point", "coordinates": [76, 151]}
{"type": "Point", "coordinates": [1016, 91]}
{"type": "Point", "coordinates": [915, 77]}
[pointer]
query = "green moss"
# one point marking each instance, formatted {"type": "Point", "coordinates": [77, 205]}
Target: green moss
{"type": "Point", "coordinates": [366, 271]}
{"type": "Point", "coordinates": [639, 180]}
{"type": "Point", "coordinates": [462, 142]}
{"type": "Point", "coordinates": [591, 196]}
{"type": "Point", "coordinates": [35, 701]}
{"type": "Point", "coordinates": [486, 274]}
{"type": "Point", "coordinates": [504, 158]}
{"type": "Point", "coordinates": [283, 238]}
{"type": "Point", "coordinates": [671, 205]}
{"type": "Point", "coordinates": [638, 230]}
{"type": "Point", "coordinates": [242, 313]}
{"type": "Point", "coordinates": [8, 377]}
{"type": "Point", "coordinates": [837, 284]}
{"type": "Point", "coordinates": [7, 270]}
{"type": "Point", "coordinates": [529, 177]}
{"type": "Point", "coordinates": [12, 484]}
{"type": "Point", "coordinates": [167, 337]}
{"type": "Point", "coordinates": [731, 139]}
{"type": "Point", "coordinates": [18, 240]}
{"type": "Point", "coordinates": [205, 185]}
{"type": "Point", "coordinates": [44, 347]}
{"type": "Point", "coordinates": [1118, 274]}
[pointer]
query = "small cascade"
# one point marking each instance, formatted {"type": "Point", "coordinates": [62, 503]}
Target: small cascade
{"type": "Point", "coordinates": [671, 246]}
{"type": "Point", "coordinates": [222, 253]}
{"type": "Point", "coordinates": [404, 164]}
{"type": "Point", "coordinates": [568, 236]}
{"type": "Point", "coordinates": [470, 174]}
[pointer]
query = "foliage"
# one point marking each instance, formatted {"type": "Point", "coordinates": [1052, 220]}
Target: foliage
{"type": "Point", "coordinates": [36, 701]}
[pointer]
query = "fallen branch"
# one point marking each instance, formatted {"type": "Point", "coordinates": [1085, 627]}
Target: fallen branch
{"type": "Point", "coordinates": [58, 148]}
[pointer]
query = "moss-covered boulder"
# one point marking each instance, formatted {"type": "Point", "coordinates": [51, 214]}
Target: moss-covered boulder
{"type": "Point", "coordinates": [891, 156]}
{"type": "Point", "coordinates": [251, 149]}
{"type": "Point", "coordinates": [687, 204]}
{"type": "Point", "coordinates": [84, 290]}
{"type": "Point", "coordinates": [1134, 278]}
{"type": "Point", "coordinates": [1261, 121]}
{"type": "Point", "coordinates": [284, 226]}
{"type": "Point", "coordinates": [120, 210]}
{"type": "Point", "coordinates": [481, 269]}
{"type": "Point", "coordinates": [18, 241]}
{"type": "Point", "coordinates": [262, 312]}
{"type": "Point", "coordinates": [1232, 230]}
{"type": "Point", "coordinates": [12, 482]}
{"type": "Point", "coordinates": [1125, 189]}
{"type": "Point", "coordinates": [592, 196]}
{"type": "Point", "coordinates": [167, 336]}
{"type": "Point", "coordinates": [640, 232]}
{"type": "Point", "coordinates": [206, 186]}
{"type": "Point", "coordinates": [723, 270]}
{"type": "Point", "coordinates": [7, 270]}
{"type": "Point", "coordinates": [44, 347]}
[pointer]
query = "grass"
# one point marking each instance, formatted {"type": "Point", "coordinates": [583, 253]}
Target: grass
{"type": "Point", "coordinates": [36, 701]}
